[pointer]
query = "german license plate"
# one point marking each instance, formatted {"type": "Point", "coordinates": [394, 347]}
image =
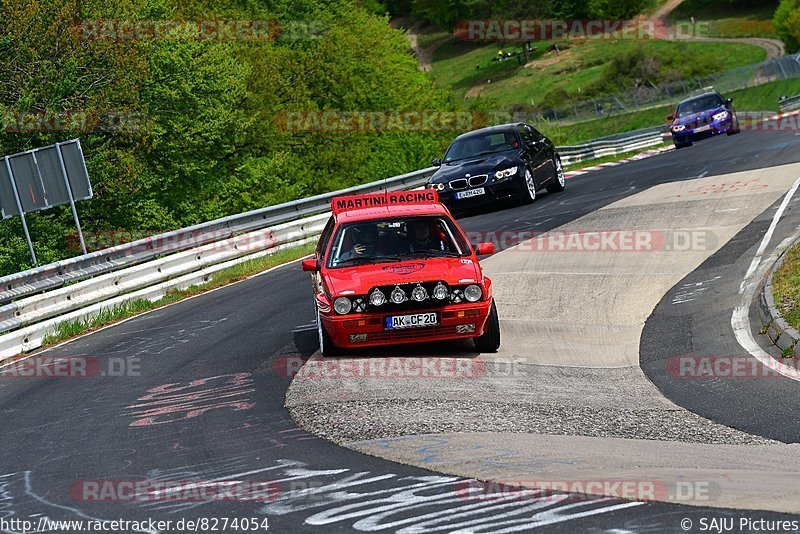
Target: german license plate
{"type": "Point", "coordinates": [414, 320]}
{"type": "Point", "coordinates": [471, 193]}
{"type": "Point", "coordinates": [703, 128]}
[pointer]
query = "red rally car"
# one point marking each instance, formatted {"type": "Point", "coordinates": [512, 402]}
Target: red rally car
{"type": "Point", "coordinates": [395, 268]}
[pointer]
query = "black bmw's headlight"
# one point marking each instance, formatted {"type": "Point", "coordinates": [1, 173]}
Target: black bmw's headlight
{"type": "Point", "coordinates": [436, 186]}
{"type": "Point", "coordinates": [505, 173]}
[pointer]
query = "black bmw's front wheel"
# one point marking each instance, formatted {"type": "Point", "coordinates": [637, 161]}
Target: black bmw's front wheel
{"type": "Point", "coordinates": [558, 183]}
{"type": "Point", "coordinates": [530, 186]}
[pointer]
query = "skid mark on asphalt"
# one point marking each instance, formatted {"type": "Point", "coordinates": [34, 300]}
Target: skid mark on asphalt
{"type": "Point", "coordinates": [147, 344]}
{"type": "Point", "coordinates": [174, 402]}
{"type": "Point", "coordinates": [19, 500]}
{"type": "Point", "coordinates": [692, 291]}
{"type": "Point", "coordinates": [363, 500]}
{"type": "Point", "coordinates": [754, 184]}
{"type": "Point", "coordinates": [422, 503]}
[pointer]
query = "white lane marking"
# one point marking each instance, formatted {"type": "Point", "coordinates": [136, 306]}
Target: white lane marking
{"type": "Point", "coordinates": [305, 327]}
{"type": "Point", "coordinates": [740, 318]}
{"type": "Point", "coordinates": [768, 236]}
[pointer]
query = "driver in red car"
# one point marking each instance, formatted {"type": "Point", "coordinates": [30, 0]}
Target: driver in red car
{"type": "Point", "coordinates": [366, 237]}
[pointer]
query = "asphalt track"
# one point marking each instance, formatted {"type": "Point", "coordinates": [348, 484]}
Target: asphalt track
{"type": "Point", "coordinates": [693, 320]}
{"type": "Point", "coordinates": [199, 400]}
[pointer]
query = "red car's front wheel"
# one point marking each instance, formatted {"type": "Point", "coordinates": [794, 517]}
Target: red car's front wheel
{"type": "Point", "coordinates": [326, 346]}
{"type": "Point", "coordinates": [490, 340]}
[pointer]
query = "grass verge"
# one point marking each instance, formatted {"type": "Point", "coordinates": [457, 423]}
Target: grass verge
{"type": "Point", "coordinates": [716, 19]}
{"type": "Point", "coordinates": [579, 70]}
{"type": "Point", "coordinates": [761, 98]}
{"type": "Point", "coordinates": [581, 132]}
{"type": "Point", "coordinates": [70, 329]}
{"type": "Point", "coordinates": [609, 159]}
{"type": "Point", "coordinates": [786, 287]}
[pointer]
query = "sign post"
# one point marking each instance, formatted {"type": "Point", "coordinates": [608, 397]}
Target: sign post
{"type": "Point", "coordinates": [21, 213]}
{"type": "Point", "coordinates": [43, 178]}
{"type": "Point", "coordinates": [71, 197]}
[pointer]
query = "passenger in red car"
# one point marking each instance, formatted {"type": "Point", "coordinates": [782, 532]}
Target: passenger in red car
{"type": "Point", "coordinates": [423, 237]}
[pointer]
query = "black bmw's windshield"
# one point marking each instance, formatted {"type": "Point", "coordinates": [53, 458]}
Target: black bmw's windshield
{"type": "Point", "coordinates": [481, 144]}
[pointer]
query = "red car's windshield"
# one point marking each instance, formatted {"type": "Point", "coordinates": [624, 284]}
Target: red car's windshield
{"type": "Point", "coordinates": [396, 239]}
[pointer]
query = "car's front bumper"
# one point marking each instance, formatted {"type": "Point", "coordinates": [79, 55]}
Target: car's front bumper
{"type": "Point", "coordinates": [689, 135]}
{"type": "Point", "coordinates": [494, 192]}
{"type": "Point", "coordinates": [456, 321]}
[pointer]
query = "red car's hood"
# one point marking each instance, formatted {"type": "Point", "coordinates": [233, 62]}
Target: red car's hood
{"type": "Point", "coordinates": [359, 279]}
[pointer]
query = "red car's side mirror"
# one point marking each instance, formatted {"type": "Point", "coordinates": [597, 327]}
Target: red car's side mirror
{"type": "Point", "coordinates": [310, 265]}
{"type": "Point", "coordinates": [484, 249]}
{"type": "Point", "coordinates": [670, 118]}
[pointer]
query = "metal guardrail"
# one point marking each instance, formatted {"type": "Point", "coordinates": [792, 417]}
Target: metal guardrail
{"type": "Point", "coordinates": [57, 274]}
{"type": "Point", "coordinates": [790, 104]}
{"type": "Point", "coordinates": [612, 145]}
{"type": "Point", "coordinates": [150, 281]}
{"type": "Point", "coordinates": [148, 268]}
{"type": "Point", "coordinates": [54, 275]}
{"type": "Point", "coordinates": [37, 308]}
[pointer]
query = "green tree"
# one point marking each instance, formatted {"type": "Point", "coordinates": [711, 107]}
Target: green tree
{"type": "Point", "coordinates": [787, 23]}
{"type": "Point", "coordinates": [208, 139]}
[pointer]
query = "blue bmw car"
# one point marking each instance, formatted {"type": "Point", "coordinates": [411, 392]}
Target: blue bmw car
{"type": "Point", "coordinates": [702, 116]}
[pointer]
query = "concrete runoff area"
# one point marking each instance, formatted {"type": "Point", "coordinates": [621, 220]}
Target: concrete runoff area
{"type": "Point", "coordinates": [572, 309]}
{"type": "Point", "coordinates": [719, 476]}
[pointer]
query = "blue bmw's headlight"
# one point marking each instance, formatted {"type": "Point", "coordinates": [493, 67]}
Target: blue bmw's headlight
{"type": "Point", "coordinates": [722, 115]}
{"type": "Point", "coordinates": [678, 128]}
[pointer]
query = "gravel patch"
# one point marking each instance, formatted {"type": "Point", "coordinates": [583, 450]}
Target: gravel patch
{"type": "Point", "coordinates": [329, 400]}
{"type": "Point", "coordinates": [365, 420]}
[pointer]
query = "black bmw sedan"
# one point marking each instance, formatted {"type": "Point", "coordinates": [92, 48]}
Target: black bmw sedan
{"type": "Point", "coordinates": [505, 162]}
